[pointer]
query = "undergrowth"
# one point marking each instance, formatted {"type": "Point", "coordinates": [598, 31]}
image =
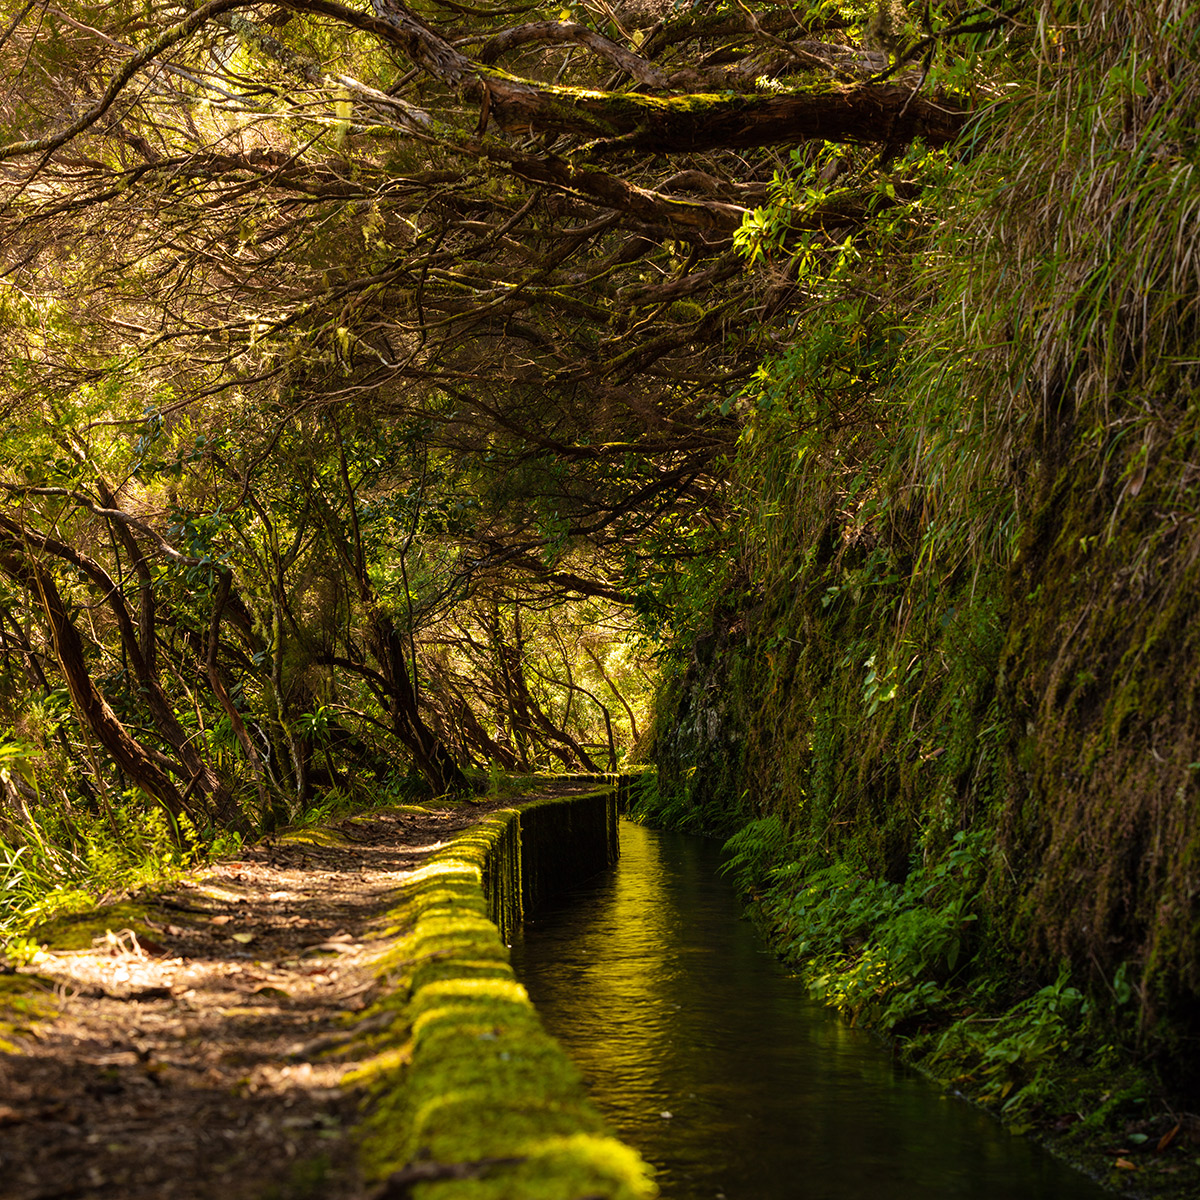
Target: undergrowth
{"type": "Point", "coordinates": [913, 961]}
{"type": "Point", "coordinates": [943, 688]}
{"type": "Point", "coordinates": [56, 863]}
{"type": "Point", "coordinates": [677, 808]}
{"type": "Point", "coordinates": [883, 951]}
{"type": "Point", "coordinates": [58, 858]}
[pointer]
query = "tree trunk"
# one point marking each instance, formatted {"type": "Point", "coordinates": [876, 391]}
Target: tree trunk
{"type": "Point", "coordinates": [224, 584]}
{"type": "Point", "coordinates": [474, 732]}
{"type": "Point", "coordinates": [129, 755]}
{"type": "Point", "coordinates": [429, 752]}
{"type": "Point", "coordinates": [203, 780]}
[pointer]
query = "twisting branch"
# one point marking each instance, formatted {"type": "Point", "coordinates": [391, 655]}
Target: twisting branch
{"type": "Point", "coordinates": [558, 32]}
{"type": "Point", "coordinates": [128, 69]}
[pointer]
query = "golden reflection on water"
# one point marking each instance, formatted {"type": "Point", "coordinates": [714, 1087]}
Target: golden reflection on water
{"type": "Point", "coordinates": [706, 1056]}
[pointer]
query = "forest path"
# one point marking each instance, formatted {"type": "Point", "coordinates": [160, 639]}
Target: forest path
{"type": "Point", "coordinates": [188, 1057]}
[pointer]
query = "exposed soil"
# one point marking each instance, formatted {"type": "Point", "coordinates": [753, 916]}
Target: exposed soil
{"type": "Point", "coordinates": [191, 1062]}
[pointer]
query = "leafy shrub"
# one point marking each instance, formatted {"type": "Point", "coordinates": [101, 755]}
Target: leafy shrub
{"type": "Point", "coordinates": [54, 861]}
{"type": "Point", "coordinates": [1011, 1059]}
{"type": "Point", "coordinates": [754, 851]}
{"type": "Point", "coordinates": [879, 948]}
{"type": "Point", "coordinates": [666, 808]}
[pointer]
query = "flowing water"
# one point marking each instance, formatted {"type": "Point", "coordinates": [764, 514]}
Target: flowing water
{"type": "Point", "coordinates": [704, 1054]}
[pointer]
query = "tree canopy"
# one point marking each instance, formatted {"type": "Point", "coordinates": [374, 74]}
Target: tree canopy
{"type": "Point", "coordinates": [370, 371]}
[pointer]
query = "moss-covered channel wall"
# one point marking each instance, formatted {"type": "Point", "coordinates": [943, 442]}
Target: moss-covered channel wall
{"type": "Point", "coordinates": [472, 1096]}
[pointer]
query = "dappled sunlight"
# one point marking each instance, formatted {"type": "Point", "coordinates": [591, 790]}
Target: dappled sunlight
{"type": "Point", "coordinates": [417, 411]}
{"type": "Point", "coordinates": [220, 1032]}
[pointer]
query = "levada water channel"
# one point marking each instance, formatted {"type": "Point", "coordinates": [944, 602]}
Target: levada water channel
{"type": "Point", "coordinates": [704, 1054]}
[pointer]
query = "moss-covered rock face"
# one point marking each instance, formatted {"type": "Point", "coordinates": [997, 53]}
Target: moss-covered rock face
{"type": "Point", "coordinates": [464, 1074]}
{"type": "Point", "coordinates": [700, 727]}
{"type": "Point", "coordinates": [961, 590]}
{"type": "Point", "coordinates": [1100, 669]}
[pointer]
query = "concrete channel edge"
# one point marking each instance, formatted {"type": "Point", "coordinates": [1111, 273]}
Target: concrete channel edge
{"type": "Point", "coordinates": [471, 1097]}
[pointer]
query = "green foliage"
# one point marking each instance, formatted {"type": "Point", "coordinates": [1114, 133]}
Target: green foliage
{"type": "Point", "coordinates": [755, 851]}
{"type": "Point", "coordinates": [908, 508]}
{"type": "Point", "coordinates": [663, 809]}
{"type": "Point", "coordinates": [314, 725]}
{"type": "Point", "coordinates": [881, 951]}
{"type": "Point", "coordinates": [678, 807]}
{"type": "Point", "coordinates": [334, 803]}
{"type": "Point", "coordinates": [495, 777]}
{"type": "Point", "coordinates": [957, 611]}
{"type": "Point", "coordinates": [1016, 1060]}
{"type": "Point", "coordinates": [64, 863]}
{"type": "Point", "coordinates": [17, 759]}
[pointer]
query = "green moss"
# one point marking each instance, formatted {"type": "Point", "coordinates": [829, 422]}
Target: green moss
{"type": "Point", "coordinates": [25, 1001]}
{"type": "Point", "coordinates": [77, 931]}
{"type": "Point", "coordinates": [314, 835]}
{"type": "Point", "coordinates": [465, 1070]}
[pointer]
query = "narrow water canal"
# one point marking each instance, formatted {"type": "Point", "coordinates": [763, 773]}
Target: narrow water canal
{"type": "Point", "coordinates": [705, 1055]}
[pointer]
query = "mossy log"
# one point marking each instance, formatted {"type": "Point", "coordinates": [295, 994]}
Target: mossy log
{"type": "Point", "coordinates": [867, 113]}
{"type": "Point", "coordinates": [872, 113]}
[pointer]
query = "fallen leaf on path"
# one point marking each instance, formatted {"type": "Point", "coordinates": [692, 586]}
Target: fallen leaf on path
{"type": "Point", "coordinates": [245, 938]}
{"type": "Point", "coordinates": [1167, 1138]}
{"type": "Point", "coordinates": [1123, 1164]}
{"type": "Point", "coordinates": [224, 919]}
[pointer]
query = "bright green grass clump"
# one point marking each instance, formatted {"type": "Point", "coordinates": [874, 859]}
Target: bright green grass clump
{"type": "Point", "coordinates": [466, 1072]}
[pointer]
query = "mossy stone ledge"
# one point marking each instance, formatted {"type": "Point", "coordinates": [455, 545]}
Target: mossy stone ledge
{"type": "Point", "coordinates": [472, 1099]}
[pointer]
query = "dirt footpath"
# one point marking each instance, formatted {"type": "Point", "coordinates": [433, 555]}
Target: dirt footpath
{"type": "Point", "coordinates": [194, 1054]}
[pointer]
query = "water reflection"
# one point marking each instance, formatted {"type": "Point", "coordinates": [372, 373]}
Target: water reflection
{"type": "Point", "coordinates": [670, 1004]}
